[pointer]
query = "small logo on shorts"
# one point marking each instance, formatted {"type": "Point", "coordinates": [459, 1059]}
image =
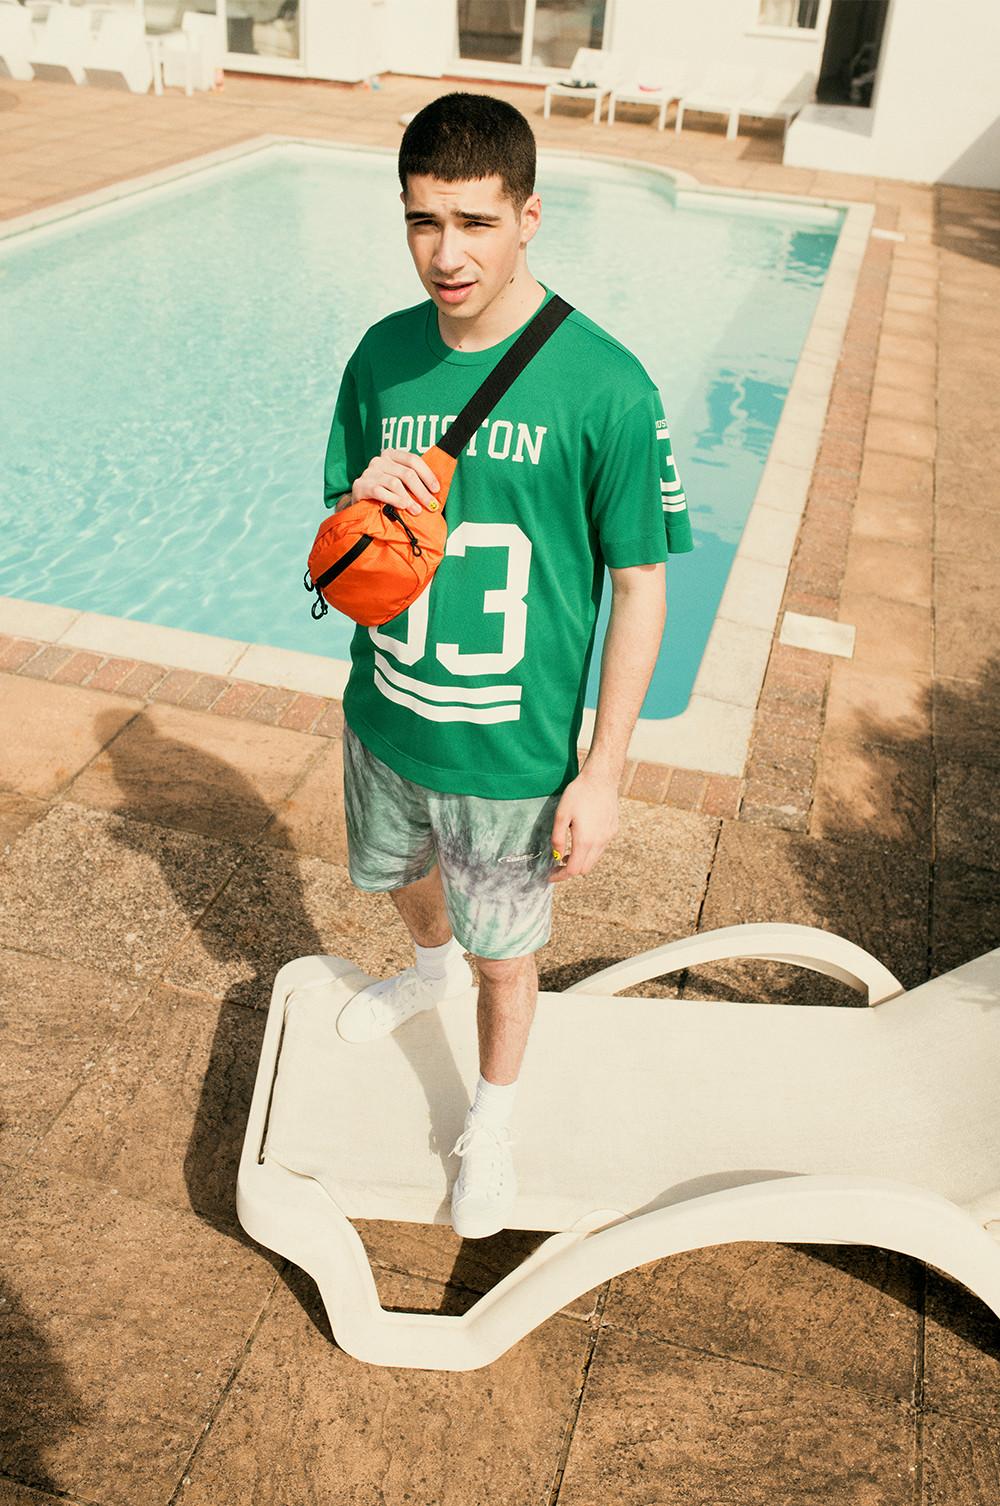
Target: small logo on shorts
{"type": "Point", "coordinates": [520, 857]}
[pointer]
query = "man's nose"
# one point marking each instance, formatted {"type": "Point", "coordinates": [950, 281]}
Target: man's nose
{"type": "Point", "coordinates": [449, 255]}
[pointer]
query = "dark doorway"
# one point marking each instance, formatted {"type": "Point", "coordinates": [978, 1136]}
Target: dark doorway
{"type": "Point", "coordinates": [851, 52]}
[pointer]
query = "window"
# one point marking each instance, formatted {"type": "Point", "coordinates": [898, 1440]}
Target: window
{"type": "Point", "coordinates": [563, 26]}
{"type": "Point", "coordinates": [792, 15]}
{"type": "Point", "coordinates": [533, 33]}
{"type": "Point", "coordinates": [491, 30]}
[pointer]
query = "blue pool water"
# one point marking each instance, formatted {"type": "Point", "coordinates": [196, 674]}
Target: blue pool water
{"type": "Point", "coordinates": [170, 365]}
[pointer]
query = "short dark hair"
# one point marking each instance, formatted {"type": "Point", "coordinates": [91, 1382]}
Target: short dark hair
{"type": "Point", "coordinates": [459, 136]}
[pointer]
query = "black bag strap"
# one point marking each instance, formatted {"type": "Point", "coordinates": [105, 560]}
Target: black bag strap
{"type": "Point", "coordinates": [510, 365]}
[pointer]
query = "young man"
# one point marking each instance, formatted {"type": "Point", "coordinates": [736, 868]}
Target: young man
{"type": "Point", "coordinates": [462, 792]}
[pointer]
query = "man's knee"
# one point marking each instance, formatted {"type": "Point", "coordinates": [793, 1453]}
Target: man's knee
{"type": "Point", "coordinates": [505, 969]}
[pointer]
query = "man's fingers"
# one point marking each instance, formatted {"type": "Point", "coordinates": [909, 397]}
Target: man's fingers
{"type": "Point", "coordinates": [417, 476]}
{"type": "Point", "coordinates": [580, 861]}
{"type": "Point", "coordinates": [560, 835]}
{"type": "Point", "coordinates": [576, 865]}
{"type": "Point", "coordinates": [415, 462]}
{"type": "Point", "coordinates": [592, 857]}
{"type": "Point", "coordinates": [386, 494]}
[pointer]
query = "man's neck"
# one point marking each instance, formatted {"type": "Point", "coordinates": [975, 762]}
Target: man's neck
{"type": "Point", "coordinates": [508, 311]}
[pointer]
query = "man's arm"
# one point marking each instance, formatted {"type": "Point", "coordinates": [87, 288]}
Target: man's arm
{"type": "Point", "coordinates": [587, 815]}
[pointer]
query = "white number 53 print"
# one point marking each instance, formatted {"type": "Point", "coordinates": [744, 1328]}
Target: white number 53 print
{"type": "Point", "coordinates": [507, 601]}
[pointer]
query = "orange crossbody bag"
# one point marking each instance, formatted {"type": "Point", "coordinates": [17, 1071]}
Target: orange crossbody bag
{"type": "Point", "coordinates": [370, 560]}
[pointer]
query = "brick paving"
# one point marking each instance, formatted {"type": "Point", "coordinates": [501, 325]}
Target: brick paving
{"type": "Point", "coordinates": [168, 838]}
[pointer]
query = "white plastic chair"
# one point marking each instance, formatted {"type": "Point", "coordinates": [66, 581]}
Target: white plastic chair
{"type": "Point", "coordinates": [781, 96]}
{"type": "Point", "coordinates": [590, 78]}
{"type": "Point", "coordinates": [59, 39]}
{"type": "Point", "coordinates": [15, 40]}
{"type": "Point", "coordinates": [650, 83]}
{"type": "Point", "coordinates": [723, 90]}
{"type": "Point", "coordinates": [190, 56]}
{"type": "Point", "coordinates": [117, 55]}
{"type": "Point", "coordinates": [644, 1127]}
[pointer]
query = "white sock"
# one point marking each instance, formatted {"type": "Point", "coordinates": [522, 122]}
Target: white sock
{"type": "Point", "coordinates": [494, 1101]}
{"type": "Point", "coordinates": [438, 961]}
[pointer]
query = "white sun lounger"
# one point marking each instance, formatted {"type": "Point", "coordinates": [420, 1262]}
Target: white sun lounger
{"type": "Point", "coordinates": [644, 1127]}
{"type": "Point", "coordinates": [15, 41]}
{"type": "Point", "coordinates": [723, 90]}
{"type": "Point", "coordinates": [650, 80]}
{"type": "Point", "coordinates": [780, 97]}
{"type": "Point", "coordinates": [590, 78]}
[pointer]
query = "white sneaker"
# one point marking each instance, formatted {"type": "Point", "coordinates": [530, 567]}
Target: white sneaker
{"type": "Point", "coordinates": [486, 1187]}
{"type": "Point", "coordinates": [378, 1009]}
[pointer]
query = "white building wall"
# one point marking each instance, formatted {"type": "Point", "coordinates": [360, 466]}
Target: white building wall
{"type": "Point", "coordinates": [352, 39]}
{"type": "Point", "coordinates": [343, 39]}
{"type": "Point", "coordinates": [722, 31]}
{"type": "Point", "coordinates": [935, 113]}
{"type": "Point", "coordinates": [421, 36]}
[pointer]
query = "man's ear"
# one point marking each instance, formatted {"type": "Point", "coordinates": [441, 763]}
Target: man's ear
{"type": "Point", "coordinates": [531, 217]}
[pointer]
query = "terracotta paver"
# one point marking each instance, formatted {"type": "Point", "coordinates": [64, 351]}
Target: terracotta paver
{"type": "Point", "coordinates": [175, 1081]}
{"type": "Point", "coordinates": [883, 567]}
{"type": "Point", "coordinates": [121, 1341]}
{"type": "Point", "coordinates": [60, 731]}
{"type": "Point", "coordinates": [653, 875]}
{"type": "Point", "coordinates": [709, 1427]}
{"type": "Point", "coordinates": [277, 905]}
{"type": "Point", "coordinates": [104, 891]}
{"type": "Point", "coordinates": [881, 793]}
{"type": "Point", "coordinates": [167, 839]}
{"type": "Point", "coordinates": [201, 773]}
{"type": "Point", "coordinates": [353, 1432]}
{"type": "Point", "coordinates": [57, 1019]}
{"type": "Point", "coordinates": [16, 813]}
{"type": "Point", "coordinates": [844, 1315]}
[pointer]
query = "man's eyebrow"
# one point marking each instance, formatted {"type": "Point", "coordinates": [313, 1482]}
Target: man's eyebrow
{"type": "Point", "coordinates": [460, 214]}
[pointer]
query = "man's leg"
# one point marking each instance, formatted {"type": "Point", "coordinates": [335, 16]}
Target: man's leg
{"type": "Point", "coordinates": [508, 991]}
{"type": "Point", "coordinates": [390, 850]}
{"type": "Point", "coordinates": [508, 987]}
{"type": "Point", "coordinates": [422, 910]}
{"type": "Point", "coordinates": [486, 1186]}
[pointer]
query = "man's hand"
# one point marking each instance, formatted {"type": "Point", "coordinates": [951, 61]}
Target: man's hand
{"type": "Point", "coordinates": [586, 821]}
{"type": "Point", "coordinates": [392, 476]}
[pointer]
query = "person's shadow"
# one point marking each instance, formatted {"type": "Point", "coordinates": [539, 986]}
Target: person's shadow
{"type": "Point", "coordinates": [257, 922]}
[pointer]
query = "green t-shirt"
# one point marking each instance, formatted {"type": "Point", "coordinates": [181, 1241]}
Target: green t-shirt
{"type": "Point", "coordinates": [478, 688]}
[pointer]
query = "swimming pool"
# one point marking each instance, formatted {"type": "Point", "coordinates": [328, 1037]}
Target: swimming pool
{"type": "Point", "coordinates": [171, 364]}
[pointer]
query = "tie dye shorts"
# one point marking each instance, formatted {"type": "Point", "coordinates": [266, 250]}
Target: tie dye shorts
{"type": "Point", "coordinates": [494, 856]}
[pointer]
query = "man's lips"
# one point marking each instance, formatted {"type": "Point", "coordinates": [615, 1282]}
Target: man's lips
{"type": "Point", "coordinates": [454, 292]}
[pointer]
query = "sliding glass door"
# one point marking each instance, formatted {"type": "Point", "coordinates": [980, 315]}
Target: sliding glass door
{"type": "Point", "coordinates": [261, 35]}
{"type": "Point", "coordinates": [263, 29]}
{"type": "Point", "coordinates": [528, 33]}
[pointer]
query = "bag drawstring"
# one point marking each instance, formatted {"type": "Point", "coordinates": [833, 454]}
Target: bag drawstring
{"type": "Point", "coordinates": [390, 512]}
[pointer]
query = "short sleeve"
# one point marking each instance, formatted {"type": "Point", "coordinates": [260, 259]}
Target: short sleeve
{"type": "Point", "coordinates": [345, 457]}
{"type": "Point", "coordinates": [637, 501]}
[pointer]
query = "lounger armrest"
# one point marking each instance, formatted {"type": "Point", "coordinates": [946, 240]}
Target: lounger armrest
{"type": "Point", "coordinates": [805, 946]}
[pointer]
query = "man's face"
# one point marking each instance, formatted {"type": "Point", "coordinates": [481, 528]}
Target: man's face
{"type": "Point", "coordinates": [465, 239]}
